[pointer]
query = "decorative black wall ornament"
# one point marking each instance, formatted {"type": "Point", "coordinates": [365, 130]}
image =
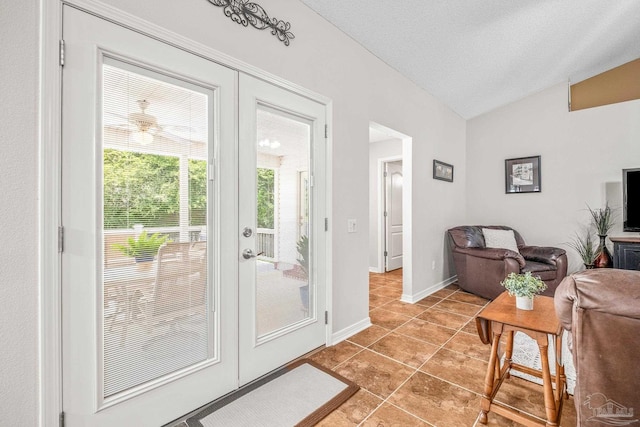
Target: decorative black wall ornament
{"type": "Point", "coordinates": [245, 13]}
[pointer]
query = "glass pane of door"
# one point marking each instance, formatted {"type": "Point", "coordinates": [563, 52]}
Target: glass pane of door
{"type": "Point", "coordinates": [156, 137]}
{"type": "Point", "coordinates": [284, 291]}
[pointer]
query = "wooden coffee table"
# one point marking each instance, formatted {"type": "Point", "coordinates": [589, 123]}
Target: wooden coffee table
{"type": "Point", "coordinates": [502, 317]}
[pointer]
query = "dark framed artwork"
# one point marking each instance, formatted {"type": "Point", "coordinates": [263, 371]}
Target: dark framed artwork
{"type": "Point", "coordinates": [442, 171]}
{"type": "Point", "coordinates": [522, 175]}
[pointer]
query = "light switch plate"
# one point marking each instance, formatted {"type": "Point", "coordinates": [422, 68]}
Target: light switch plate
{"type": "Point", "coordinates": [352, 226]}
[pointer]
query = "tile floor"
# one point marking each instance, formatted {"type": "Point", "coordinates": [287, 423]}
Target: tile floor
{"type": "Point", "coordinates": [422, 364]}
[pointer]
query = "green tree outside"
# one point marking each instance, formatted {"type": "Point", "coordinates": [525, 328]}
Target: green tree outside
{"type": "Point", "coordinates": [197, 192]}
{"type": "Point", "coordinates": [265, 198]}
{"type": "Point", "coordinates": [142, 188]}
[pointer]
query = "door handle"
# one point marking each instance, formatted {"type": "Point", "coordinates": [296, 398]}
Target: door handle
{"type": "Point", "coordinates": [248, 254]}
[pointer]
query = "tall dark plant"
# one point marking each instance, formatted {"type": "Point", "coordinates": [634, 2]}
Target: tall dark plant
{"type": "Point", "coordinates": [602, 219]}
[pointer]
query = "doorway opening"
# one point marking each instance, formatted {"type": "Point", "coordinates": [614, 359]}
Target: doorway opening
{"type": "Point", "coordinates": [390, 203]}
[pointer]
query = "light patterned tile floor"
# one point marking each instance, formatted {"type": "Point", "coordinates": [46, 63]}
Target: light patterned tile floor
{"type": "Point", "coordinates": [422, 364]}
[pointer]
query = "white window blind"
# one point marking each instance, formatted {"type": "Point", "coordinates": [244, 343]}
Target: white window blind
{"type": "Point", "coordinates": [155, 287]}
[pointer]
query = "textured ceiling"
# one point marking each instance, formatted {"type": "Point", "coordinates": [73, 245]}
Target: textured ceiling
{"type": "Point", "coordinates": [478, 55]}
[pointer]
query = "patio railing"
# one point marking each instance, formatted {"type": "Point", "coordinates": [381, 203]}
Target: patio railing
{"type": "Point", "coordinates": [265, 242]}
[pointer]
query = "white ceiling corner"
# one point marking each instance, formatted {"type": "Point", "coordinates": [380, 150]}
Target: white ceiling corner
{"type": "Point", "coordinates": [477, 56]}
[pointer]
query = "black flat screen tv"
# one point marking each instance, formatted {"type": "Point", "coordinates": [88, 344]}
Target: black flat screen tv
{"type": "Point", "coordinates": [631, 188]}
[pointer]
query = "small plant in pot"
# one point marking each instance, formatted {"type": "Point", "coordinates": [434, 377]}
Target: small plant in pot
{"type": "Point", "coordinates": [524, 287]}
{"type": "Point", "coordinates": [586, 248]}
{"type": "Point", "coordinates": [303, 260]}
{"type": "Point", "coordinates": [303, 251]}
{"type": "Point", "coordinates": [144, 248]}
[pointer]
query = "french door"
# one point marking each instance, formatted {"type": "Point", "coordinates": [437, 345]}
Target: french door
{"type": "Point", "coordinates": [144, 127]}
{"type": "Point", "coordinates": [163, 309]}
{"type": "Point", "coordinates": [283, 267]}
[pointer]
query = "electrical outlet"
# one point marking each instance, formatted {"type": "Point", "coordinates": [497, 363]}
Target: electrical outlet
{"type": "Point", "coordinates": [352, 226]}
{"type": "Point", "coordinates": [433, 264]}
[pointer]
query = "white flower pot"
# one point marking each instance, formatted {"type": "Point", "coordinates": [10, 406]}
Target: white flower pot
{"type": "Point", "coordinates": [524, 303]}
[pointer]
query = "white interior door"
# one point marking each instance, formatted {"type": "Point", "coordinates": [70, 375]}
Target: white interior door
{"type": "Point", "coordinates": [393, 218]}
{"type": "Point", "coordinates": [281, 227]}
{"type": "Point", "coordinates": [148, 147]}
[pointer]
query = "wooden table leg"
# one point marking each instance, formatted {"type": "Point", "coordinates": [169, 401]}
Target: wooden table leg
{"type": "Point", "coordinates": [508, 354]}
{"type": "Point", "coordinates": [489, 379]}
{"type": "Point", "coordinates": [549, 399]}
{"type": "Point", "coordinates": [561, 379]}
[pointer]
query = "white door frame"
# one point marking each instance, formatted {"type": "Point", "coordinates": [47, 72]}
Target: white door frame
{"type": "Point", "coordinates": [407, 203]}
{"type": "Point", "coordinates": [50, 170]}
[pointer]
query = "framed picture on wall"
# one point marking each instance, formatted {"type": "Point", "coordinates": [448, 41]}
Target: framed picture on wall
{"type": "Point", "coordinates": [442, 171]}
{"type": "Point", "coordinates": [522, 175]}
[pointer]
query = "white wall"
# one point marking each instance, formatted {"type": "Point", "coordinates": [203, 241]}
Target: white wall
{"type": "Point", "coordinates": [583, 153]}
{"type": "Point", "coordinates": [321, 58]}
{"type": "Point", "coordinates": [19, 213]}
{"type": "Point", "coordinates": [378, 150]}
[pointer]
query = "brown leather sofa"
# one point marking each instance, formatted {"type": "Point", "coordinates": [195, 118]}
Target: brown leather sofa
{"type": "Point", "coordinates": [480, 269]}
{"type": "Point", "coordinates": [601, 310]}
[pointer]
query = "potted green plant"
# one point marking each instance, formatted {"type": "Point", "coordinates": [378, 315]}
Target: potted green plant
{"type": "Point", "coordinates": [303, 251]}
{"type": "Point", "coordinates": [303, 260]}
{"type": "Point", "coordinates": [585, 247]}
{"type": "Point", "coordinates": [144, 248]}
{"type": "Point", "coordinates": [524, 287]}
{"type": "Point", "coordinates": [603, 221]}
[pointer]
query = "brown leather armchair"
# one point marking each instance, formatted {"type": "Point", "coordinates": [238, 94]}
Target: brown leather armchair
{"type": "Point", "coordinates": [480, 269]}
{"type": "Point", "coordinates": [601, 310]}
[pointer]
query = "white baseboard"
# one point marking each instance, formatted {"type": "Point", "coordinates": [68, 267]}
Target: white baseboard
{"type": "Point", "coordinates": [375, 270]}
{"type": "Point", "coordinates": [360, 326]}
{"type": "Point", "coordinates": [349, 331]}
{"type": "Point", "coordinates": [412, 299]}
